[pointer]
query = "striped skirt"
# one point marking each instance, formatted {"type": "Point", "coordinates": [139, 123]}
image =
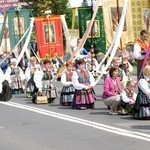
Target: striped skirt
{"type": "Point", "coordinates": [67, 95]}
{"type": "Point", "coordinates": [84, 99]}
{"type": "Point", "coordinates": [141, 109]}
{"type": "Point", "coordinates": [49, 90]}
{"type": "Point", "coordinates": [16, 84]}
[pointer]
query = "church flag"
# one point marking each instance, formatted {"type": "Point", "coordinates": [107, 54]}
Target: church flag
{"type": "Point", "coordinates": [98, 33]}
{"type": "Point", "coordinates": [49, 36]}
{"type": "Point", "coordinates": [18, 23]}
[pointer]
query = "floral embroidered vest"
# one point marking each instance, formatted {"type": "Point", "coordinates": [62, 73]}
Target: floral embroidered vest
{"type": "Point", "coordinates": [47, 75]}
{"type": "Point", "coordinates": [83, 77]}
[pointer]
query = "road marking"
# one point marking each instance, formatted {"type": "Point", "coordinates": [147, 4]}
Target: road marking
{"type": "Point", "coordinates": [111, 129]}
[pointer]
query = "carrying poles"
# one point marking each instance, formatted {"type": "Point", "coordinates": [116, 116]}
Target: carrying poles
{"type": "Point", "coordinates": [92, 39]}
{"type": "Point", "coordinates": [118, 12]}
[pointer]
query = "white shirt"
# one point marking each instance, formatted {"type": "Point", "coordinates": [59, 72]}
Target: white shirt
{"type": "Point", "coordinates": [8, 74]}
{"type": "Point", "coordinates": [80, 86]}
{"type": "Point", "coordinates": [127, 99]}
{"type": "Point", "coordinates": [144, 86]}
{"type": "Point", "coordinates": [137, 52]}
{"type": "Point", "coordinates": [38, 75]}
{"type": "Point", "coordinates": [2, 78]}
{"type": "Point", "coordinates": [28, 71]}
{"type": "Point", "coordinates": [64, 80]}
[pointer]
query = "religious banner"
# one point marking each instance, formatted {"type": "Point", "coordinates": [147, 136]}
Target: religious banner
{"type": "Point", "coordinates": [140, 16]}
{"type": "Point", "coordinates": [49, 36]}
{"type": "Point", "coordinates": [116, 17]}
{"type": "Point", "coordinates": [98, 32]}
{"type": "Point", "coordinates": [146, 19]}
{"type": "Point", "coordinates": [18, 23]}
{"type": "Point", "coordinates": [112, 10]}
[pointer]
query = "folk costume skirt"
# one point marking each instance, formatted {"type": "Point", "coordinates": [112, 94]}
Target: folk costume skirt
{"type": "Point", "coordinates": [141, 109]}
{"type": "Point", "coordinates": [84, 99]}
{"type": "Point", "coordinates": [67, 95]}
{"type": "Point", "coordinates": [16, 84]}
{"type": "Point", "coordinates": [6, 92]}
{"type": "Point", "coordinates": [49, 90]}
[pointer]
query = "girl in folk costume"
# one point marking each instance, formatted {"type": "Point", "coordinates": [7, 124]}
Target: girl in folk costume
{"type": "Point", "coordinates": [43, 81]}
{"type": "Point", "coordinates": [126, 66]}
{"type": "Point", "coordinates": [67, 93]}
{"type": "Point", "coordinates": [121, 73]}
{"type": "Point", "coordinates": [83, 82]}
{"type": "Point", "coordinates": [15, 77]}
{"type": "Point", "coordinates": [140, 48]}
{"type": "Point", "coordinates": [128, 97]}
{"type": "Point", "coordinates": [141, 109]}
{"type": "Point", "coordinates": [32, 67]}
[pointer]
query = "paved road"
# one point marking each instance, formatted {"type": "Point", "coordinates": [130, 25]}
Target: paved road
{"type": "Point", "coordinates": [26, 126]}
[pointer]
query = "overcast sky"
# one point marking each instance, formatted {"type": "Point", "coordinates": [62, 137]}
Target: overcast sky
{"type": "Point", "coordinates": [75, 3]}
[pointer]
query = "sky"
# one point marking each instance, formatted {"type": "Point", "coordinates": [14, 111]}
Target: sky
{"type": "Point", "coordinates": [76, 3]}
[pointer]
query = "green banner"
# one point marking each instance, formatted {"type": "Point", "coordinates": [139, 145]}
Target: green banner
{"type": "Point", "coordinates": [18, 23]}
{"type": "Point", "coordinates": [98, 37]}
{"type": "Point", "coordinates": [3, 28]}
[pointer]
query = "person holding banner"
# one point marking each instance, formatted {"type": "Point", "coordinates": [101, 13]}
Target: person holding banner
{"type": "Point", "coordinates": [83, 82]}
{"type": "Point", "coordinates": [141, 109]}
{"type": "Point", "coordinates": [139, 50]}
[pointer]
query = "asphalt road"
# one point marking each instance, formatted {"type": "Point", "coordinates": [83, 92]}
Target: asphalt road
{"type": "Point", "coordinates": [27, 126]}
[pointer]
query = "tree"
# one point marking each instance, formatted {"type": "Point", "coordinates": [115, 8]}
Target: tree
{"type": "Point", "coordinates": [58, 7]}
{"type": "Point", "coordinates": [84, 3]}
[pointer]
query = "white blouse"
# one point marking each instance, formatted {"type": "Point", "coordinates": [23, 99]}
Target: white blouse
{"type": "Point", "coordinates": [137, 52]}
{"type": "Point", "coordinates": [2, 78]}
{"type": "Point", "coordinates": [8, 74]}
{"type": "Point", "coordinates": [80, 86]}
{"type": "Point", "coordinates": [38, 75]}
{"type": "Point", "coordinates": [64, 80]}
{"type": "Point", "coordinates": [144, 86]}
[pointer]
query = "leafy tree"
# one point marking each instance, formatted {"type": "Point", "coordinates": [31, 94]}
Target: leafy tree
{"type": "Point", "coordinates": [84, 3]}
{"type": "Point", "coordinates": [58, 7]}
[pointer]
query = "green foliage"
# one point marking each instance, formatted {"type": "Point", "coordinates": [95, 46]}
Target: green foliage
{"type": "Point", "coordinates": [58, 7]}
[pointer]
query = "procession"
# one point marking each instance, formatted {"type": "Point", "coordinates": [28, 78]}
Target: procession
{"type": "Point", "coordinates": [39, 53]}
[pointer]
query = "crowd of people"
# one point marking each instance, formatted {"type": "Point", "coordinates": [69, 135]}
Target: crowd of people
{"type": "Point", "coordinates": [119, 88]}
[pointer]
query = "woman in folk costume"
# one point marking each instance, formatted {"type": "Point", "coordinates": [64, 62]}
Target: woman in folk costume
{"type": "Point", "coordinates": [83, 82]}
{"type": "Point", "coordinates": [141, 109]}
{"type": "Point", "coordinates": [67, 93]}
{"type": "Point", "coordinates": [5, 90]}
{"type": "Point", "coordinates": [15, 77]}
{"type": "Point", "coordinates": [32, 67]}
{"type": "Point", "coordinates": [43, 81]}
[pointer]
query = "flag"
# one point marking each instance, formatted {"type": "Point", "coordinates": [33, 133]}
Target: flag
{"type": "Point", "coordinates": [49, 36]}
